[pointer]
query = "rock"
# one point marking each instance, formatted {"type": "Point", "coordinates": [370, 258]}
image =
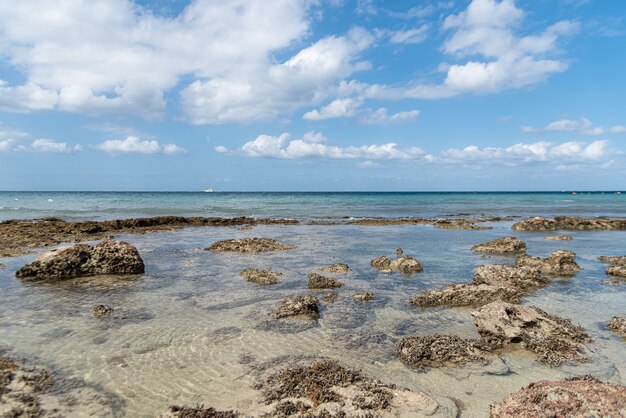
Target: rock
{"type": "Point", "coordinates": [558, 263]}
{"type": "Point", "coordinates": [107, 257]}
{"type": "Point", "coordinates": [503, 275]}
{"type": "Point", "coordinates": [558, 237]}
{"type": "Point", "coordinates": [571, 223]}
{"type": "Point", "coordinates": [555, 340]}
{"type": "Point", "coordinates": [506, 245]}
{"type": "Point", "coordinates": [403, 264]}
{"type": "Point", "coordinates": [261, 277]}
{"type": "Point", "coordinates": [364, 296]}
{"type": "Point", "coordinates": [249, 245]}
{"type": "Point", "coordinates": [330, 297]}
{"type": "Point", "coordinates": [300, 306]}
{"type": "Point", "coordinates": [197, 412]}
{"type": "Point", "coordinates": [440, 350]}
{"type": "Point", "coordinates": [617, 270]}
{"type": "Point", "coordinates": [620, 259]}
{"type": "Point", "coordinates": [325, 388]}
{"type": "Point", "coordinates": [473, 295]}
{"type": "Point", "coordinates": [339, 268]}
{"type": "Point", "coordinates": [460, 224]}
{"type": "Point", "coordinates": [101, 310]}
{"type": "Point", "coordinates": [317, 281]}
{"type": "Point", "coordinates": [21, 388]}
{"type": "Point", "coordinates": [618, 324]}
{"type": "Point", "coordinates": [576, 397]}
{"type": "Point", "coordinates": [399, 252]}
{"type": "Point", "coordinates": [2, 266]}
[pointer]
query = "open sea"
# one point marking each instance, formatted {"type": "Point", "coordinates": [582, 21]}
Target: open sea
{"type": "Point", "coordinates": [192, 331]}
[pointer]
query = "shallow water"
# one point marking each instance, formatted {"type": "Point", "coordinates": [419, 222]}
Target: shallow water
{"type": "Point", "coordinates": [191, 330]}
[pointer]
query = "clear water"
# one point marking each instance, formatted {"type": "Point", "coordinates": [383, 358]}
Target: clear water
{"type": "Point", "coordinates": [108, 205]}
{"type": "Point", "coordinates": [191, 317]}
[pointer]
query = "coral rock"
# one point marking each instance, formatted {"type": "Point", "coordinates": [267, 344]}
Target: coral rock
{"type": "Point", "coordinates": [473, 295]}
{"type": "Point", "coordinates": [317, 281]}
{"type": "Point", "coordinates": [559, 263]}
{"type": "Point", "coordinates": [249, 245]}
{"type": "Point", "coordinates": [506, 245]}
{"type": "Point", "coordinates": [261, 277]}
{"type": "Point", "coordinates": [339, 268]}
{"type": "Point", "coordinates": [299, 306]}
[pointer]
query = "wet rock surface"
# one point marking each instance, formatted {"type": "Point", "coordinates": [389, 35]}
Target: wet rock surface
{"type": "Point", "coordinates": [505, 245]}
{"type": "Point", "coordinates": [261, 277]}
{"type": "Point", "coordinates": [577, 397]}
{"type": "Point", "coordinates": [338, 268]}
{"type": "Point", "coordinates": [558, 263]}
{"type": "Point", "coordinates": [325, 388]}
{"type": "Point", "coordinates": [467, 294]}
{"type": "Point", "coordinates": [330, 297]}
{"type": "Point", "coordinates": [403, 263]}
{"type": "Point", "coordinates": [80, 260]}
{"type": "Point", "coordinates": [363, 296]}
{"type": "Point", "coordinates": [558, 237]}
{"type": "Point", "coordinates": [305, 307]}
{"type": "Point", "coordinates": [249, 245]}
{"type": "Point", "coordinates": [620, 259]}
{"type": "Point", "coordinates": [555, 340]}
{"type": "Point", "coordinates": [617, 270]}
{"type": "Point", "coordinates": [2, 266]}
{"type": "Point", "coordinates": [572, 223]}
{"type": "Point", "coordinates": [19, 236]}
{"type": "Point", "coordinates": [440, 351]}
{"type": "Point", "coordinates": [101, 310]}
{"type": "Point", "coordinates": [199, 411]}
{"type": "Point", "coordinates": [460, 224]}
{"type": "Point", "coordinates": [504, 275]}
{"type": "Point", "coordinates": [317, 281]}
{"type": "Point", "coordinates": [618, 324]}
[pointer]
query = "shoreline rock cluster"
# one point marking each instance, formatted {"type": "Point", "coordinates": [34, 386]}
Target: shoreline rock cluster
{"type": "Point", "coordinates": [503, 246]}
{"type": "Point", "coordinates": [570, 223]}
{"type": "Point", "coordinates": [249, 245]}
{"type": "Point", "coordinates": [403, 263]}
{"type": "Point", "coordinates": [616, 267]}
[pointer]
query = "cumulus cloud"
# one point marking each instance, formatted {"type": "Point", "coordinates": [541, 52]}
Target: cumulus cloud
{"type": "Point", "coordinates": [18, 141]}
{"type": "Point", "coordinates": [351, 107]}
{"type": "Point", "coordinates": [582, 126]}
{"type": "Point", "coordinates": [133, 145]}
{"type": "Point", "coordinates": [314, 144]}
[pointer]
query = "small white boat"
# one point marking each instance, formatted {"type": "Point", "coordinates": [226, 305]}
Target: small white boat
{"type": "Point", "coordinates": [208, 190]}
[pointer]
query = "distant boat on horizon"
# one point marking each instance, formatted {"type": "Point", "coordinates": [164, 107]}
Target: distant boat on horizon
{"type": "Point", "coordinates": [208, 190]}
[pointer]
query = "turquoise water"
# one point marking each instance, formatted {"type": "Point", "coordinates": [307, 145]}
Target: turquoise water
{"type": "Point", "coordinates": [303, 206]}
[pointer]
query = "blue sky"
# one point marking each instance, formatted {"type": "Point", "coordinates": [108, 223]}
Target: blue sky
{"type": "Point", "coordinates": [312, 95]}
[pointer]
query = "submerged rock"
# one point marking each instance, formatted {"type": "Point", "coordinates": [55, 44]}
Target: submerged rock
{"type": "Point", "coordinates": [330, 297]}
{"type": "Point", "coordinates": [101, 310]}
{"type": "Point", "coordinates": [2, 266]}
{"type": "Point", "coordinates": [440, 350]}
{"type": "Point", "coordinates": [618, 324]}
{"type": "Point", "coordinates": [261, 277]}
{"type": "Point", "coordinates": [576, 397]}
{"type": "Point", "coordinates": [459, 224]}
{"type": "Point", "coordinates": [339, 268]}
{"type": "Point", "coordinates": [300, 306]}
{"type": "Point", "coordinates": [249, 245]}
{"type": "Point", "coordinates": [317, 281]}
{"type": "Point", "coordinates": [572, 223]}
{"type": "Point", "coordinates": [364, 296]}
{"type": "Point", "coordinates": [504, 275]}
{"type": "Point", "coordinates": [620, 259]}
{"type": "Point", "coordinates": [558, 237]}
{"type": "Point", "coordinates": [403, 264]}
{"type": "Point", "coordinates": [555, 340]}
{"type": "Point", "coordinates": [197, 412]}
{"type": "Point", "coordinates": [473, 295]}
{"type": "Point", "coordinates": [324, 388]}
{"type": "Point", "coordinates": [505, 245]}
{"type": "Point", "coordinates": [559, 263]}
{"type": "Point", "coordinates": [107, 257]}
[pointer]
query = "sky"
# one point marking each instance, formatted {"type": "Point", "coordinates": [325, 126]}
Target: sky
{"type": "Point", "coordinates": [312, 95]}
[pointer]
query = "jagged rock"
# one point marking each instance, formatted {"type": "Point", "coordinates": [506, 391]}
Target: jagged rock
{"type": "Point", "coordinates": [403, 264]}
{"type": "Point", "coordinates": [364, 296]}
{"type": "Point", "coordinates": [473, 295]}
{"type": "Point", "coordinates": [317, 281]}
{"type": "Point", "coordinates": [558, 237]}
{"type": "Point", "coordinates": [249, 245]}
{"type": "Point", "coordinates": [559, 263]}
{"type": "Point", "coordinates": [440, 350]}
{"type": "Point", "coordinates": [572, 223]}
{"type": "Point", "coordinates": [107, 257]}
{"type": "Point", "coordinates": [503, 275]}
{"type": "Point", "coordinates": [505, 245]}
{"type": "Point", "coordinates": [555, 340]}
{"type": "Point", "coordinates": [317, 388]}
{"type": "Point", "coordinates": [261, 277]}
{"type": "Point", "coordinates": [618, 324]}
{"type": "Point", "coordinates": [197, 412]}
{"type": "Point", "coordinates": [620, 259]}
{"type": "Point", "coordinates": [299, 306]}
{"type": "Point", "coordinates": [617, 270]}
{"type": "Point", "coordinates": [101, 310]}
{"type": "Point", "coordinates": [339, 268]}
{"type": "Point", "coordinates": [330, 297]}
{"type": "Point", "coordinates": [576, 397]}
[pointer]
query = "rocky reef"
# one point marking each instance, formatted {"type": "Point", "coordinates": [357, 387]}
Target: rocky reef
{"type": "Point", "coordinates": [338, 268]}
{"type": "Point", "coordinates": [305, 307]}
{"type": "Point", "coordinates": [466, 294]}
{"type": "Point", "coordinates": [317, 281]}
{"type": "Point", "coordinates": [504, 246]}
{"type": "Point", "coordinates": [576, 397]}
{"type": "Point", "coordinates": [571, 223]}
{"type": "Point", "coordinates": [558, 263]}
{"type": "Point", "coordinates": [440, 351]}
{"type": "Point", "coordinates": [107, 257]}
{"type": "Point", "coordinates": [618, 324]}
{"type": "Point", "coordinates": [261, 277]}
{"type": "Point", "coordinates": [403, 263]}
{"type": "Point", "coordinates": [617, 265]}
{"type": "Point", "coordinates": [518, 277]}
{"type": "Point", "coordinates": [199, 411]}
{"type": "Point", "coordinates": [249, 245]}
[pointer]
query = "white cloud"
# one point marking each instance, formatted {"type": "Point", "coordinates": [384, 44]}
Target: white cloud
{"type": "Point", "coordinates": [582, 126]}
{"type": "Point", "coordinates": [410, 36]}
{"type": "Point", "coordinates": [46, 145]}
{"type": "Point", "coordinates": [5, 145]}
{"type": "Point", "coordinates": [381, 116]}
{"type": "Point", "coordinates": [351, 107]}
{"type": "Point", "coordinates": [368, 164]}
{"type": "Point", "coordinates": [315, 145]}
{"type": "Point", "coordinates": [133, 145]}
{"type": "Point", "coordinates": [339, 108]}
{"type": "Point", "coordinates": [18, 141]}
